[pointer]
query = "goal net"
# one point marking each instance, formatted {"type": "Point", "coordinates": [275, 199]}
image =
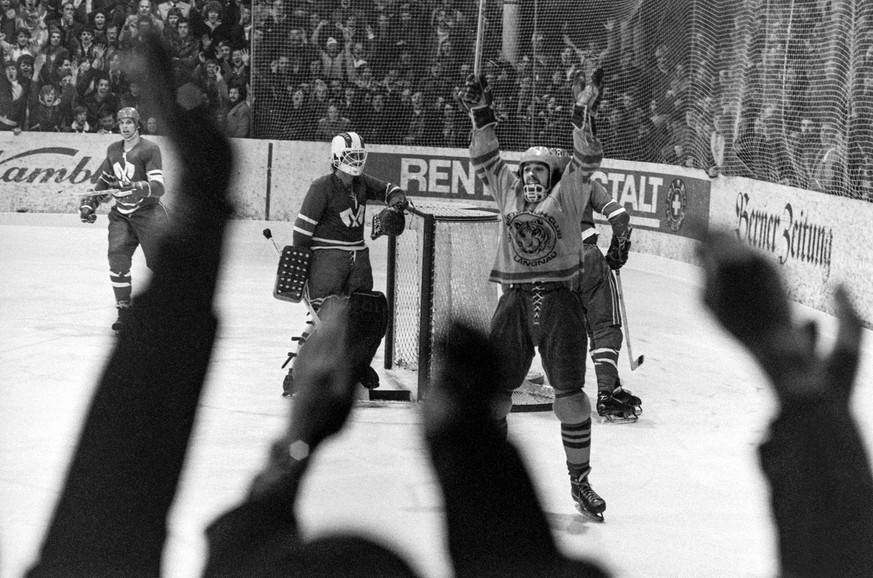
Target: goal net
{"type": "Point", "coordinates": [776, 90]}
{"type": "Point", "coordinates": [437, 272]}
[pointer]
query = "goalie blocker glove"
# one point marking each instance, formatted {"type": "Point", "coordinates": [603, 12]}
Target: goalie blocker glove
{"type": "Point", "coordinates": [476, 98]}
{"type": "Point", "coordinates": [619, 248]}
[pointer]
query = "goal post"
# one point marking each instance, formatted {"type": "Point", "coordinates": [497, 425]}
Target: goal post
{"type": "Point", "coordinates": [438, 271]}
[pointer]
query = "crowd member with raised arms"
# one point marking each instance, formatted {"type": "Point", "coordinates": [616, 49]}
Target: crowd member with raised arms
{"type": "Point", "coordinates": [132, 173]}
{"type": "Point", "coordinates": [112, 517]}
{"type": "Point", "coordinates": [537, 264]}
{"type": "Point", "coordinates": [821, 485]}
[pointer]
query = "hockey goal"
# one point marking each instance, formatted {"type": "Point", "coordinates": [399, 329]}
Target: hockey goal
{"type": "Point", "coordinates": [437, 271]}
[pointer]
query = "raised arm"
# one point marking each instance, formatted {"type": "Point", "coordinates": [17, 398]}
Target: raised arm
{"type": "Point", "coordinates": [484, 146]}
{"type": "Point", "coordinates": [111, 518]}
{"type": "Point", "coordinates": [815, 459]}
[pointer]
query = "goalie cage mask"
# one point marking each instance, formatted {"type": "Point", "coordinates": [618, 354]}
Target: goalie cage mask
{"type": "Point", "coordinates": [347, 153]}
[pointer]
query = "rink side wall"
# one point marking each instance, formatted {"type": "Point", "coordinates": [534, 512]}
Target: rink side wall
{"type": "Point", "coordinates": [818, 240]}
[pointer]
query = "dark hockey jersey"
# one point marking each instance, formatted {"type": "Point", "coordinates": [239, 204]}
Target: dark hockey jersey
{"type": "Point", "coordinates": [141, 163]}
{"type": "Point", "coordinates": [602, 202]}
{"type": "Point", "coordinates": [333, 216]}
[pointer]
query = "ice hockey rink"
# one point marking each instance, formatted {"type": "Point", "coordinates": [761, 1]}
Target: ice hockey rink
{"type": "Point", "coordinates": [685, 496]}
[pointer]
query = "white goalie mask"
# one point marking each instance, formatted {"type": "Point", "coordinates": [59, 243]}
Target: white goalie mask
{"type": "Point", "coordinates": [534, 192]}
{"type": "Point", "coordinates": [347, 153]}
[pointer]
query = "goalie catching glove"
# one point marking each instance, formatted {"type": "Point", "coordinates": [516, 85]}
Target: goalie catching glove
{"type": "Point", "coordinates": [476, 98]}
{"type": "Point", "coordinates": [617, 254]}
{"type": "Point", "coordinates": [390, 221]}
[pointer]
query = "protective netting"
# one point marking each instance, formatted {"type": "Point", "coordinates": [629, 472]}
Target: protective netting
{"type": "Point", "coordinates": [442, 260]}
{"type": "Point", "coordinates": [778, 90]}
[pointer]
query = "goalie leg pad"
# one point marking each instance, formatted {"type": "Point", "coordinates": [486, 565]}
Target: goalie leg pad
{"type": "Point", "coordinates": [368, 322]}
{"type": "Point", "coordinates": [292, 274]}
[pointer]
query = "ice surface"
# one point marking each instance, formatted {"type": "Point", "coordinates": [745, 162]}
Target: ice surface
{"type": "Point", "coordinates": [684, 493]}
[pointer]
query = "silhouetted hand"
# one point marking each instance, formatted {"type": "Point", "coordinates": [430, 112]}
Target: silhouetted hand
{"type": "Point", "coordinates": [322, 374]}
{"type": "Point", "coordinates": [465, 380]}
{"type": "Point", "coordinates": [745, 293]}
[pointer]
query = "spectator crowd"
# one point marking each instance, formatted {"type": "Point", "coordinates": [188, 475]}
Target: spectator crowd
{"type": "Point", "coordinates": [784, 95]}
{"type": "Point", "coordinates": [65, 61]}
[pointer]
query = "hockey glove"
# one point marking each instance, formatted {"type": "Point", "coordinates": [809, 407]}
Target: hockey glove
{"type": "Point", "coordinates": [586, 97]}
{"type": "Point", "coordinates": [617, 254]}
{"type": "Point", "coordinates": [87, 214]}
{"type": "Point", "coordinates": [390, 221]}
{"type": "Point", "coordinates": [476, 98]}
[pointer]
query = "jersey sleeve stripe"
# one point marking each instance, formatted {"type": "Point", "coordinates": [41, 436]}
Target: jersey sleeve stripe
{"type": "Point", "coordinates": [482, 159]}
{"type": "Point", "coordinates": [613, 209]}
{"type": "Point", "coordinates": [302, 231]}
{"type": "Point", "coordinates": [302, 217]}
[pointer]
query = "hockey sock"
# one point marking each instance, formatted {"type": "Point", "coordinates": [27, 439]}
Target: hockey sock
{"type": "Point", "coordinates": [577, 445]}
{"type": "Point", "coordinates": [605, 367]}
{"type": "Point", "coordinates": [121, 286]}
{"type": "Point", "coordinates": [605, 347]}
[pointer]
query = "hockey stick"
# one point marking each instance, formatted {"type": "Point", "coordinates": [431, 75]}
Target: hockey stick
{"type": "Point", "coordinates": [269, 235]}
{"type": "Point", "coordinates": [634, 363]}
{"type": "Point", "coordinates": [89, 192]}
{"type": "Point", "coordinates": [480, 32]}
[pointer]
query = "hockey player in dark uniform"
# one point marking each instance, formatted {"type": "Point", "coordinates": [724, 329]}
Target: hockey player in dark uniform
{"type": "Point", "coordinates": [133, 175]}
{"type": "Point", "coordinates": [599, 296]}
{"type": "Point", "coordinates": [598, 290]}
{"type": "Point", "coordinates": [537, 265]}
{"type": "Point", "coordinates": [331, 223]}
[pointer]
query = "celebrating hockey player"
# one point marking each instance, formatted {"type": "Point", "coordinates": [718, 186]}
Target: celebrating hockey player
{"type": "Point", "coordinates": [537, 263]}
{"type": "Point", "coordinates": [331, 223]}
{"type": "Point", "coordinates": [133, 175]}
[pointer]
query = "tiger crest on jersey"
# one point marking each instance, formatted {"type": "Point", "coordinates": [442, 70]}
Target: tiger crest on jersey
{"type": "Point", "coordinates": [534, 237]}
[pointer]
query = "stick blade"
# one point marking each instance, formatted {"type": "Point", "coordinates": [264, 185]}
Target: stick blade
{"type": "Point", "coordinates": [638, 362]}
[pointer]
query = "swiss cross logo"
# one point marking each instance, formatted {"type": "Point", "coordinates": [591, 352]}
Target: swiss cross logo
{"type": "Point", "coordinates": [353, 218]}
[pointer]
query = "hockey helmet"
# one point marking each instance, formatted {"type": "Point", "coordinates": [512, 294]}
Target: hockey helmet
{"type": "Point", "coordinates": [534, 193]}
{"type": "Point", "coordinates": [131, 113]}
{"type": "Point", "coordinates": [347, 153]}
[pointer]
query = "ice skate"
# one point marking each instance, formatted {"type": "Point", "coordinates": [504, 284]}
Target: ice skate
{"type": "Point", "coordinates": [619, 405]}
{"type": "Point", "coordinates": [123, 317]}
{"type": "Point", "coordinates": [587, 500]}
